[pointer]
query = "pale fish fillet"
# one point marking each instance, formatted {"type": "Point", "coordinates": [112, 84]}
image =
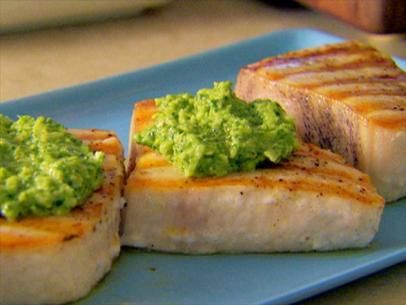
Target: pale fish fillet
{"type": "Point", "coordinates": [58, 259]}
{"type": "Point", "coordinates": [312, 201]}
{"type": "Point", "coordinates": [346, 97]}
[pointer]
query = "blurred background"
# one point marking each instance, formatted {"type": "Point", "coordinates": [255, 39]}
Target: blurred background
{"type": "Point", "coordinates": [47, 44]}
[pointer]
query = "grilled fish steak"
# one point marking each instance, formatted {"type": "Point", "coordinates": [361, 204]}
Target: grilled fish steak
{"type": "Point", "coordinates": [346, 97]}
{"type": "Point", "coordinates": [58, 259]}
{"type": "Point", "coordinates": [312, 201]}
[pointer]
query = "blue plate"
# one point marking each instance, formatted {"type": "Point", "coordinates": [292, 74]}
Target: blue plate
{"type": "Point", "coordinates": [141, 277]}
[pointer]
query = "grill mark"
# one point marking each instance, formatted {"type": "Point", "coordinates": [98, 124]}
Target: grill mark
{"type": "Point", "coordinates": [316, 153]}
{"type": "Point", "coordinates": [329, 187]}
{"type": "Point", "coordinates": [38, 233]}
{"type": "Point", "coordinates": [312, 54]}
{"type": "Point", "coordinates": [69, 237]}
{"type": "Point", "coordinates": [366, 106]}
{"type": "Point", "coordinates": [309, 153]}
{"type": "Point", "coordinates": [393, 120]}
{"type": "Point", "coordinates": [15, 241]}
{"type": "Point", "coordinates": [51, 230]}
{"type": "Point", "coordinates": [140, 180]}
{"type": "Point", "coordinates": [301, 164]}
{"type": "Point", "coordinates": [387, 77]}
{"type": "Point", "coordinates": [340, 95]}
{"type": "Point", "coordinates": [324, 171]}
{"type": "Point", "coordinates": [330, 67]}
{"type": "Point", "coordinates": [143, 114]}
{"type": "Point", "coordinates": [142, 123]}
{"type": "Point", "coordinates": [354, 80]}
{"type": "Point", "coordinates": [108, 147]}
{"type": "Point", "coordinates": [88, 135]}
{"type": "Point", "coordinates": [152, 163]}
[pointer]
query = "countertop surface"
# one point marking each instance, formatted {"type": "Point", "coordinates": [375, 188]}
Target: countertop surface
{"type": "Point", "coordinates": [38, 61]}
{"type": "Point", "coordinates": [35, 61]}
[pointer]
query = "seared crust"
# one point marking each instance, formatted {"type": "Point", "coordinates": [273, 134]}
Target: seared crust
{"type": "Point", "coordinates": [58, 259]}
{"type": "Point", "coordinates": [312, 201]}
{"type": "Point", "coordinates": [347, 97]}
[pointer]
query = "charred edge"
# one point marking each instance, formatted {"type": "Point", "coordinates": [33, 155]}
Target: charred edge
{"type": "Point", "coordinates": [70, 237]}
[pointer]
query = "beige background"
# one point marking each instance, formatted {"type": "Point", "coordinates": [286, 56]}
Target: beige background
{"type": "Point", "coordinates": [37, 61]}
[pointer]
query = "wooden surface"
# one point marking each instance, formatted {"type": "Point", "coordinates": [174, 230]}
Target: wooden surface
{"type": "Point", "coordinates": [376, 16]}
{"type": "Point", "coordinates": [34, 62]}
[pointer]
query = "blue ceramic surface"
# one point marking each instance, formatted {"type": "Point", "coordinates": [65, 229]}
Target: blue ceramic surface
{"type": "Point", "coordinates": [141, 277]}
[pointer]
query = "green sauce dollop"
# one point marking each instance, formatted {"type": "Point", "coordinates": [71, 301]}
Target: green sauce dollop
{"type": "Point", "coordinates": [215, 133]}
{"type": "Point", "coordinates": [44, 170]}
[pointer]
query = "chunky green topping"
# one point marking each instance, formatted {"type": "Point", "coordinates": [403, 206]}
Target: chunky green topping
{"type": "Point", "coordinates": [215, 133]}
{"type": "Point", "coordinates": [44, 170]}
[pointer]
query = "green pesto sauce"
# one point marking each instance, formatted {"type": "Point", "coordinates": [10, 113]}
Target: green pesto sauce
{"type": "Point", "coordinates": [44, 170]}
{"type": "Point", "coordinates": [215, 133]}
